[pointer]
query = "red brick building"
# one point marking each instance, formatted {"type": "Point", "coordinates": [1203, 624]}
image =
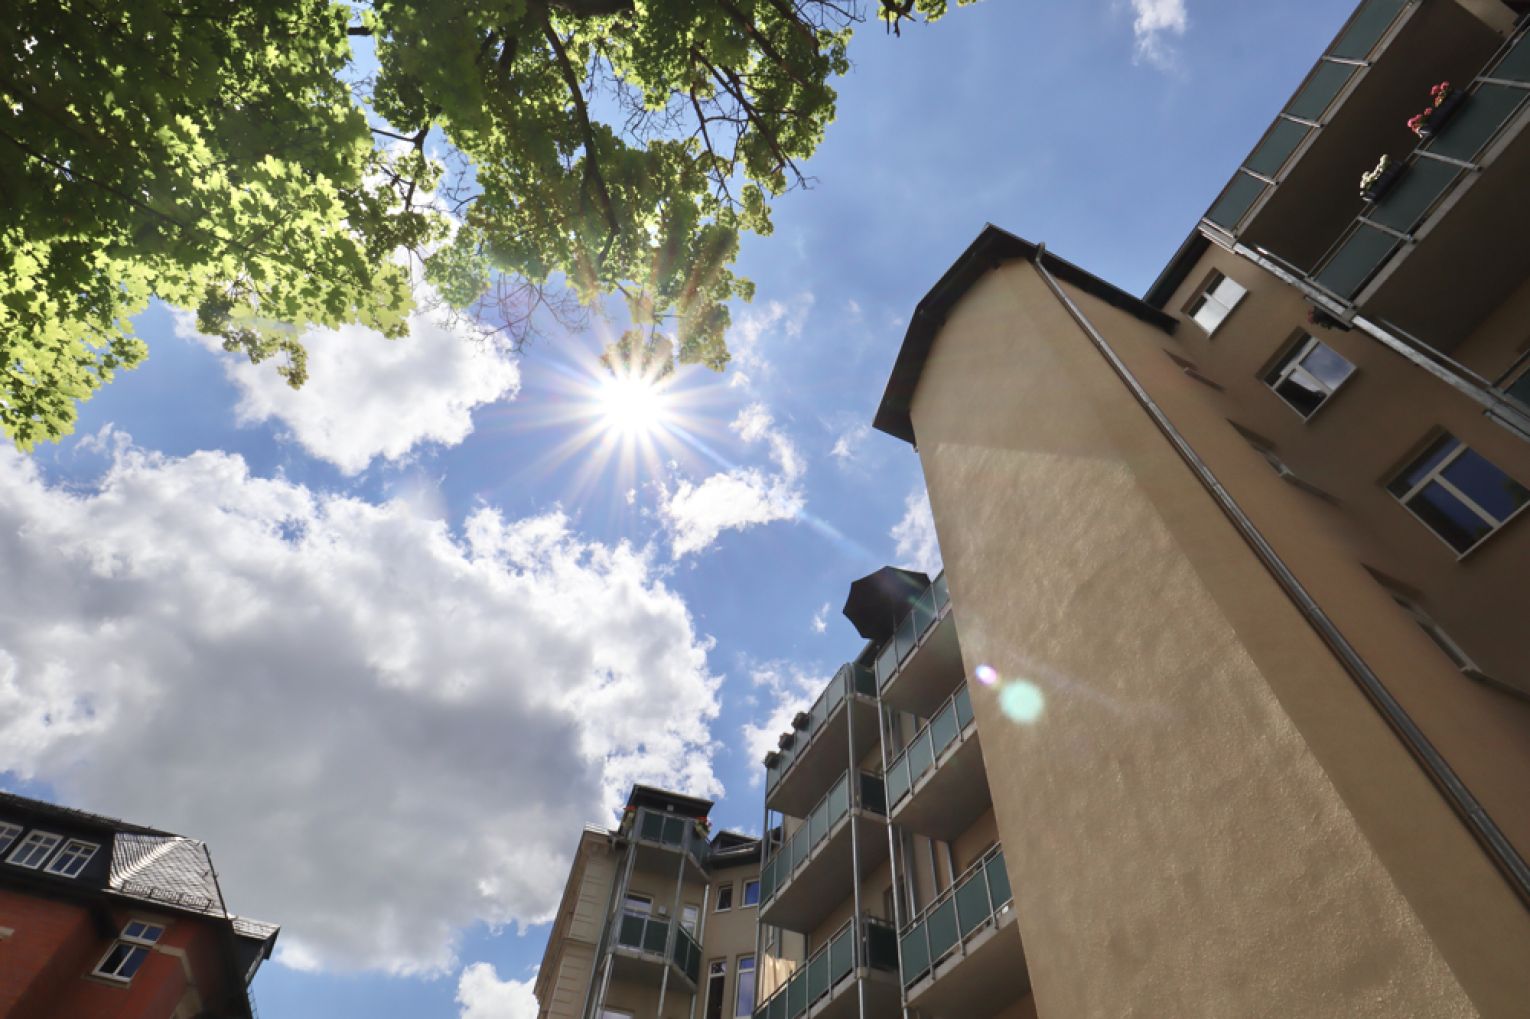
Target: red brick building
{"type": "Point", "coordinates": [102, 919]}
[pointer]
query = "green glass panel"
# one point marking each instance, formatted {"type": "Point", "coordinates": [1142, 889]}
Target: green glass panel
{"type": "Point", "coordinates": [818, 821]}
{"type": "Point", "coordinates": [907, 637]}
{"type": "Point", "coordinates": [1276, 147]}
{"type": "Point", "coordinates": [654, 937]}
{"type": "Point", "coordinates": [942, 593]}
{"type": "Point", "coordinates": [972, 906]}
{"type": "Point", "coordinates": [916, 954]}
{"type": "Point", "coordinates": [1472, 126]}
{"type": "Point", "coordinates": [920, 756]}
{"type": "Point", "coordinates": [796, 995]}
{"type": "Point", "coordinates": [943, 729]}
{"type": "Point", "coordinates": [835, 694]}
{"type": "Point", "coordinates": [1236, 198]}
{"type": "Point", "coordinates": [998, 880]}
{"type": "Point", "coordinates": [963, 702]}
{"type": "Point", "coordinates": [873, 794]}
{"type": "Point", "coordinates": [630, 933]}
{"type": "Point", "coordinates": [864, 681]}
{"type": "Point", "coordinates": [897, 781]}
{"type": "Point", "coordinates": [924, 611]}
{"type": "Point", "coordinates": [839, 800]}
{"type": "Point", "coordinates": [651, 826]}
{"type": "Point", "coordinates": [841, 957]}
{"type": "Point", "coordinates": [881, 946]}
{"type": "Point", "coordinates": [1366, 28]}
{"type": "Point", "coordinates": [674, 830]}
{"type": "Point", "coordinates": [1520, 389]}
{"type": "Point", "coordinates": [887, 663]}
{"type": "Point", "coordinates": [800, 846]}
{"type": "Point", "coordinates": [778, 1007]}
{"type": "Point", "coordinates": [1515, 66]}
{"type": "Point", "coordinates": [1413, 194]}
{"type": "Point", "coordinates": [942, 927]}
{"type": "Point", "coordinates": [1361, 254]}
{"type": "Point", "coordinates": [1322, 85]}
{"type": "Point", "coordinates": [767, 881]}
{"type": "Point", "coordinates": [818, 976]}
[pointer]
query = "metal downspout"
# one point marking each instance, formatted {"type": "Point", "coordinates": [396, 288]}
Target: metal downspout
{"type": "Point", "coordinates": [759, 926]}
{"type": "Point", "coordinates": [1476, 818]}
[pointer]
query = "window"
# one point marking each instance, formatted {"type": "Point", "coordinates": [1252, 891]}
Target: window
{"type": "Point", "coordinates": [34, 849]}
{"type": "Point", "coordinates": [1215, 302]}
{"type": "Point", "coordinates": [131, 949]}
{"type": "Point", "coordinates": [637, 904]}
{"type": "Point", "coordinates": [688, 917]}
{"type": "Point", "coordinates": [1458, 494]}
{"type": "Point", "coordinates": [1308, 375]}
{"type": "Point", "coordinates": [744, 1003]}
{"type": "Point", "coordinates": [8, 833]}
{"type": "Point", "coordinates": [72, 858]}
{"type": "Point", "coordinates": [1520, 388]}
{"type": "Point", "coordinates": [751, 893]}
{"type": "Point", "coordinates": [724, 898]}
{"type": "Point", "coordinates": [717, 988]}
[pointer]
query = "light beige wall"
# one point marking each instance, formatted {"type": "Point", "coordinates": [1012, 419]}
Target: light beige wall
{"type": "Point", "coordinates": [729, 934]}
{"type": "Point", "coordinates": [1175, 846]}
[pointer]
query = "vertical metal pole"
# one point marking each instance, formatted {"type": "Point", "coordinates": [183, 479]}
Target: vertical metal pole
{"type": "Point", "coordinates": [889, 719]}
{"type": "Point", "coordinates": [619, 897]}
{"type": "Point", "coordinates": [701, 940]}
{"type": "Point", "coordinates": [854, 780]}
{"type": "Point", "coordinates": [673, 934]}
{"type": "Point", "coordinates": [759, 907]}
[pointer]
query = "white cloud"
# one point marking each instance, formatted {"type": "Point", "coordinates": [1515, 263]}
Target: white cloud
{"type": "Point", "coordinates": [821, 618]}
{"type": "Point", "coordinates": [696, 514]}
{"type": "Point", "coordinates": [917, 547]}
{"type": "Point", "coordinates": [1153, 23]}
{"type": "Point", "coordinates": [757, 326]}
{"type": "Point", "coordinates": [369, 397]}
{"type": "Point", "coordinates": [483, 995]}
{"type": "Point", "coordinates": [848, 445]}
{"type": "Point", "coordinates": [385, 730]}
{"type": "Point", "coordinates": [787, 689]}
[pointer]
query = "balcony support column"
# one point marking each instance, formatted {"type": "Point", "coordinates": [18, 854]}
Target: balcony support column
{"type": "Point", "coordinates": [701, 939]}
{"type": "Point", "coordinates": [673, 934]}
{"type": "Point", "coordinates": [618, 897]}
{"type": "Point", "coordinates": [858, 933]}
{"type": "Point", "coordinates": [888, 720]}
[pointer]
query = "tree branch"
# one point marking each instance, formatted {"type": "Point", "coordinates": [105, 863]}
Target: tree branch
{"type": "Point", "coordinates": [591, 163]}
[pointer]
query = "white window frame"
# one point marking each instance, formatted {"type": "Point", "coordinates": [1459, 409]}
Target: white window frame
{"type": "Point", "coordinates": [34, 838]}
{"type": "Point", "coordinates": [73, 850]}
{"type": "Point", "coordinates": [725, 887]}
{"type": "Point", "coordinates": [8, 834]}
{"type": "Point", "coordinates": [630, 898]}
{"type": "Point", "coordinates": [1206, 295]}
{"type": "Point", "coordinates": [738, 986]}
{"type": "Point", "coordinates": [1291, 360]}
{"type": "Point", "coordinates": [134, 941]}
{"type": "Point", "coordinates": [716, 968]}
{"type": "Point", "coordinates": [744, 902]}
{"type": "Point", "coordinates": [690, 918]}
{"type": "Point", "coordinates": [1436, 475]}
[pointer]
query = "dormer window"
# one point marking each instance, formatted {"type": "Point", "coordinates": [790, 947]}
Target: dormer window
{"type": "Point", "coordinates": [34, 849]}
{"type": "Point", "coordinates": [72, 858]}
{"type": "Point", "coordinates": [8, 834]}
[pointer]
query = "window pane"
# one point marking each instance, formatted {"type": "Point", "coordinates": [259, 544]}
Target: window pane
{"type": "Point", "coordinates": [724, 898]}
{"type": "Point", "coordinates": [1450, 518]}
{"type": "Point", "coordinates": [751, 893]}
{"type": "Point", "coordinates": [1228, 291]}
{"type": "Point", "coordinates": [1423, 465]}
{"type": "Point", "coordinates": [745, 1004]}
{"type": "Point", "coordinates": [1485, 484]}
{"type": "Point", "coordinates": [1520, 390]}
{"type": "Point", "coordinates": [1327, 366]}
{"type": "Point", "coordinates": [8, 833]}
{"type": "Point", "coordinates": [1209, 314]}
{"type": "Point", "coordinates": [1303, 392]}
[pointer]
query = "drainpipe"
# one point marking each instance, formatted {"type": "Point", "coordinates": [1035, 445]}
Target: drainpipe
{"type": "Point", "coordinates": [857, 930]}
{"type": "Point", "coordinates": [759, 907]}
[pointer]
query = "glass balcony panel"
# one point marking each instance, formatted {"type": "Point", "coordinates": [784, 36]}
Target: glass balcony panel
{"type": "Point", "coordinates": [924, 611]}
{"type": "Point", "coordinates": [800, 846]}
{"type": "Point", "coordinates": [863, 681]}
{"type": "Point", "coordinates": [887, 663]}
{"type": "Point", "coordinates": [839, 800]}
{"type": "Point", "coordinates": [841, 956]}
{"type": "Point", "coordinates": [834, 694]}
{"type": "Point", "coordinates": [629, 933]}
{"type": "Point", "coordinates": [1277, 146]}
{"type": "Point", "coordinates": [1236, 199]}
{"type": "Point", "coordinates": [654, 937]}
{"type": "Point", "coordinates": [941, 925]}
{"type": "Point", "coordinates": [943, 729]}
{"type": "Point", "coordinates": [796, 995]}
{"type": "Point", "coordinates": [1356, 261]}
{"type": "Point", "coordinates": [1366, 28]}
{"type": "Point", "coordinates": [1472, 126]}
{"type": "Point", "coordinates": [897, 781]}
{"type": "Point", "coordinates": [778, 1007]}
{"type": "Point", "coordinates": [1413, 194]}
{"type": "Point", "coordinates": [998, 880]}
{"type": "Point", "coordinates": [1515, 66]}
{"type": "Point", "coordinates": [881, 946]}
{"type": "Point", "coordinates": [972, 906]}
{"type": "Point", "coordinates": [907, 637]}
{"type": "Point", "coordinates": [687, 955]}
{"type": "Point", "coordinates": [916, 954]}
{"type": "Point", "coordinates": [767, 881]}
{"type": "Point", "coordinates": [873, 794]}
{"type": "Point", "coordinates": [818, 976]}
{"type": "Point", "coordinates": [942, 593]}
{"type": "Point", "coordinates": [920, 756]}
{"type": "Point", "coordinates": [651, 826]}
{"type": "Point", "coordinates": [674, 830]}
{"type": "Point", "coordinates": [1321, 88]}
{"type": "Point", "coordinates": [963, 702]}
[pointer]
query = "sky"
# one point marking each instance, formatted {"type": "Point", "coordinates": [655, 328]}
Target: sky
{"type": "Point", "coordinates": [387, 642]}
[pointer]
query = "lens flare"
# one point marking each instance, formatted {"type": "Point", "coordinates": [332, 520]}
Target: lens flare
{"type": "Point", "coordinates": [632, 405]}
{"type": "Point", "coordinates": [986, 674]}
{"type": "Point", "coordinates": [1022, 701]}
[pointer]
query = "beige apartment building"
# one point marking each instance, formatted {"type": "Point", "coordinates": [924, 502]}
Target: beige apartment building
{"type": "Point", "coordinates": [1243, 565]}
{"type": "Point", "coordinates": [657, 918]}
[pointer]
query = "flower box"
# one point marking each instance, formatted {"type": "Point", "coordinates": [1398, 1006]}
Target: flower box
{"type": "Point", "coordinates": [1376, 190]}
{"type": "Point", "coordinates": [1436, 121]}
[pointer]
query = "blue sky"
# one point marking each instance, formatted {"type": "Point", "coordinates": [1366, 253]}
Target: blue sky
{"type": "Point", "coordinates": [386, 643]}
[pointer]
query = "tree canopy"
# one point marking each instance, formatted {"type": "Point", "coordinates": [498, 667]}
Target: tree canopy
{"type": "Point", "coordinates": [239, 159]}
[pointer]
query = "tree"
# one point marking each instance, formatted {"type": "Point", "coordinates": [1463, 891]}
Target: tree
{"type": "Point", "coordinates": [236, 158]}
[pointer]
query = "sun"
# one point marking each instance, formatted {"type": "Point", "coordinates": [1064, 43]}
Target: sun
{"type": "Point", "coordinates": [632, 405]}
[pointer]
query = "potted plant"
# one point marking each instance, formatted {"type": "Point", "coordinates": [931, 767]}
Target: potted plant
{"type": "Point", "coordinates": [703, 827]}
{"type": "Point", "coordinates": [1376, 182]}
{"type": "Point", "coordinates": [1444, 101]}
{"type": "Point", "coordinates": [1319, 317]}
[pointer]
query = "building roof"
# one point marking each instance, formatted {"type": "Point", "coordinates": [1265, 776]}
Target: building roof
{"type": "Point", "coordinates": [663, 799]}
{"type": "Point", "coordinates": [992, 248]}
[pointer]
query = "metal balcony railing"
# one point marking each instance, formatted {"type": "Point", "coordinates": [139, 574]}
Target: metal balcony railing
{"type": "Point", "coordinates": [928, 609]}
{"type": "Point", "coordinates": [649, 934]}
{"type": "Point", "coordinates": [850, 678]}
{"type": "Point", "coordinates": [979, 897]}
{"type": "Point", "coordinates": [916, 760]}
{"type": "Point", "coordinates": [672, 830]}
{"type": "Point", "coordinates": [837, 802]}
{"type": "Point", "coordinates": [826, 968]}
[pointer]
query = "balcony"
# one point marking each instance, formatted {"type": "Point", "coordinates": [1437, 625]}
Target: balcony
{"type": "Point", "coordinates": [662, 839]}
{"type": "Point", "coordinates": [922, 661]}
{"type": "Point", "coordinates": [812, 872]}
{"type": "Point", "coordinates": [825, 986]}
{"type": "Point", "coordinates": [969, 929]}
{"type": "Point", "coordinates": [821, 749]}
{"type": "Point", "coordinates": [937, 786]}
{"type": "Point", "coordinates": [644, 945]}
{"type": "Point", "coordinates": [1293, 193]}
